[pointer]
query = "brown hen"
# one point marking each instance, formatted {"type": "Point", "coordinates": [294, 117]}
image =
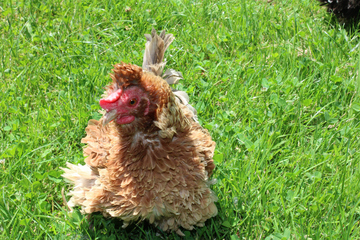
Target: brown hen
{"type": "Point", "coordinates": [147, 157]}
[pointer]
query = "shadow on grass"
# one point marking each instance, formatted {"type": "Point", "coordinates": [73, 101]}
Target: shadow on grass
{"type": "Point", "coordinates": [96, 226]}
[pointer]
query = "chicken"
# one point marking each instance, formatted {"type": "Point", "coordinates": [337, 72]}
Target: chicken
{"type": "Point", "coordinates": [345, 10]}
{"type": "Point", "coordinates": [147, 157]}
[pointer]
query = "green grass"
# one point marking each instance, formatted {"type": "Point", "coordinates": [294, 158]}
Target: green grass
{"type": "Point", "coordinates": [275, 83]}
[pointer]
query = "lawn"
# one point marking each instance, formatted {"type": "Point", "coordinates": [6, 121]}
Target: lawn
{"type": "Point", "coordinates": [276, 84]}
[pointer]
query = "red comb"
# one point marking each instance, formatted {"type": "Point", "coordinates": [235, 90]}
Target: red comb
{"type": "Point", "coordinates": [107, 103]}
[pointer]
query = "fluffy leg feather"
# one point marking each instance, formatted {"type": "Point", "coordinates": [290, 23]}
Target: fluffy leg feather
{"type": "Point", "coordinates": [83, 179]}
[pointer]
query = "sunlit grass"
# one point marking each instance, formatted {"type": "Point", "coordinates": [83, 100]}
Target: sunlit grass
{"type": "Point", "coordinates": [275, 83]}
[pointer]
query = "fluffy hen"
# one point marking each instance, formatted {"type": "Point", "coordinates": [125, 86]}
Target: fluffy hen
{"type": "Point", "coordinates": [147, 157]}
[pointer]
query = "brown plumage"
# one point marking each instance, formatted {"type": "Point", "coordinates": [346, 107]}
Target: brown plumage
{"type": "Point", "coordinates": [154, 160]}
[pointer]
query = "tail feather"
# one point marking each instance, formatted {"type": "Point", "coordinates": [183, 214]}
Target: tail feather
{"type": "Point", "coordinates": [153, 61]}
{"type": "Point", "coordinates": [155, 48]}
{"type": "Point", "coordinates": [171, 76]}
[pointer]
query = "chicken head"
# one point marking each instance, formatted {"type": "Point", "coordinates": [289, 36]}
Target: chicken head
{"type": "Point", "coordinates": [124, 105]}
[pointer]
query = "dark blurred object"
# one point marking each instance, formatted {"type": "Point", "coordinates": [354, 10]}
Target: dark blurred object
{"type": "Point", "coordinates": [344, 10]}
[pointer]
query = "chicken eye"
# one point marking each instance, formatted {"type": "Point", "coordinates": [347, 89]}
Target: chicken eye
{"type": "Point", "coordinates": [133, 102]}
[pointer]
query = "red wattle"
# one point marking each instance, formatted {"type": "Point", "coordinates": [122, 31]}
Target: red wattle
{"type": "Point", "coordinates": [125, 119]}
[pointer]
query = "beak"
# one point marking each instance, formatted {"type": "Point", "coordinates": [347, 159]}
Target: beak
{"type": "Point", "coordinates": [109, 116]}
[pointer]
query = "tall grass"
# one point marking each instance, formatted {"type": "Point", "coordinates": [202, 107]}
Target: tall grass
{"type": "Point", "coordinates": [275, 83]}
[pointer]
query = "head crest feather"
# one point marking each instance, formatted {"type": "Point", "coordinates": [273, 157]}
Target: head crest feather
{"type": "Point", "coordinates": [126, 74]}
